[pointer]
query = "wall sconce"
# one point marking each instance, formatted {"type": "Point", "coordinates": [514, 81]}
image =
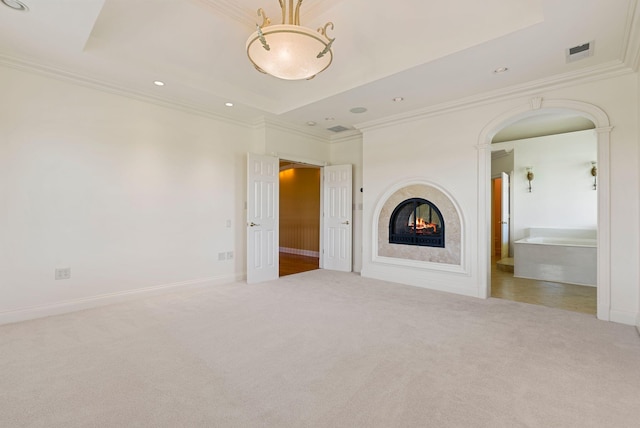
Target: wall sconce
{"type": "Point", "coordinates": [530, 176]}
{"type": "Point", "coordinates": [594, 174]}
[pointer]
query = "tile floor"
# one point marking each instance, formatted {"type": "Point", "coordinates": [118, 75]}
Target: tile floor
{"type": "Point", "coordinates": [576, 298]}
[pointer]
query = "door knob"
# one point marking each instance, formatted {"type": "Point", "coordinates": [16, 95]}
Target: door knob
{"type": "Point", "coordinates": [345, 222]}
{"type": "Point", "coordinates": [253, 224]}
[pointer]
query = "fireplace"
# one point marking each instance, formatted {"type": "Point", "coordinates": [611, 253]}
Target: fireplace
{"type": "Point", "coordinates": [417, 221]}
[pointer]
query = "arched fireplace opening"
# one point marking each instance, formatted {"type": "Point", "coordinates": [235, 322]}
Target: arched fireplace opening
{"type": "Point", "coordinates": [417, 221]}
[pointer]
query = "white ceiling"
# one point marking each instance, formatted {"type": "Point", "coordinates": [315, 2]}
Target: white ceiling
{"type": "Point", "coordinates": [430, 53]}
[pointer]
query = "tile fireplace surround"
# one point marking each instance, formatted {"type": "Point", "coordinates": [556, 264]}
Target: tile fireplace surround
{"type": "Point", "coordinates": [450, 254]}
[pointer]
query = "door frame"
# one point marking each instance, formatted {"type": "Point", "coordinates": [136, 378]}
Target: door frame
{"type": "Point", "coordinates": [321, 165]}
{"type": "Point", "coordinates": [536, 106]}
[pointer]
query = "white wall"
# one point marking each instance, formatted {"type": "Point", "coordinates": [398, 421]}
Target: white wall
{"type": "Point", "coordinates": [562, 195]}
{"type": "Point", "coordinates": [125, 193]}
{"type": "Point", "coordinates": [442, 148]}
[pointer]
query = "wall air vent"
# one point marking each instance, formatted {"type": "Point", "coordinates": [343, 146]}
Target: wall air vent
{"type": "Point", "coordinates": [338, 128]}
{"type": "Point", "coordinates": [579, 52]}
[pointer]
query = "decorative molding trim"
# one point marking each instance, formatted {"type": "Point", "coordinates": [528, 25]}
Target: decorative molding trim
{"type": "Point", "coordinates": [462, 268]}
{"type": "Point", "coordinates": [631, 54]}
{"type": "Point", "coordinates": [417, 264]}
{"type": "Point", "coordinates": [345, 136]}
{"type": "Point", "coordinates": [603, 128]}
{"type": "Point", "coordinates": [232, 10]}
{"type": "Point", "coordinates": [606, 71]}
{"type": "Point", "coordinates": [87, 82]}
{"type": "Point", "coordinates": [58, 308]}
{"type": "Point", "coordinates": [244, 15]}
{"type": "Point", "coordinates": [265, 122]}
{"type": "Point", "coordinates": [308, 253]}
{"type": "Point", "coordinates": [536, 103]}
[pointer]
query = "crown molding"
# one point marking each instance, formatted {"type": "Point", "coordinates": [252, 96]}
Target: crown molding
{"type": "Point", "coordinates": [346, 136]}
{"type": "Point", "coordinates": [631, 53]}
{"type": "Point", "coordinates": [266, 122]}
{"type": "Point", "coordinates": [88, 82]}
{"type": "Point", "coordinates": [247, 15]}
{"type": "Point", "coordinates": [232, 10]}
{"type": "Point", "coordinates": [533, 88]}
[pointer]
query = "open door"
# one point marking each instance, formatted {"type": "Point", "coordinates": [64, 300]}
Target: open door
{"type": "Point", "coordinates": [262, 218]}
{"type": "Point", "coordinates": [337, 219]}
{"type": "Point", "coordinates": [504, 217]}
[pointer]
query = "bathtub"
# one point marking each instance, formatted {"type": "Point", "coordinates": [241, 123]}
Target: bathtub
{"type": "Point", "coordinates": [557, 255]}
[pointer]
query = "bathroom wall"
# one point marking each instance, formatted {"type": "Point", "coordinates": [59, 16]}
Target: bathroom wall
{"type": "Point", "coordinates": [562, 194]}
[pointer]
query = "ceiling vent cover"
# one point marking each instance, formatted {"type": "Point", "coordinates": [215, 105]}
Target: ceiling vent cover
{"type": "Point", "coordinates": [579, 52]}
{"type": "Point", "coordinates": [338, 128]}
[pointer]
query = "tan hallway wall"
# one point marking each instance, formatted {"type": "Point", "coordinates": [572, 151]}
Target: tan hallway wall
{"type": "Point", "coordinates": [300, 209]}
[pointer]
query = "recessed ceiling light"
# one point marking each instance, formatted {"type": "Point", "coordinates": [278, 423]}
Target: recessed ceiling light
{"type": "Point", "coordinates": [16, 5]}
{"type": "Point", "coordinates": [158, 82]}
{"type": "Point", "coordinates": [229, 104]}
{"type": "Point", "coordinates": [398, 99]}
{"type": "Point", "coordinates": [329, 118]}
{"type": "Point", "coordinates": [358, 110]}
{"type": "Point", "coordinates": [500, 70]}
{"type": "Point", "coordinates": [311, 123]}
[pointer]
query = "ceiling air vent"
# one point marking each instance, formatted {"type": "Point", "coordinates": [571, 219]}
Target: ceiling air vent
{"type": "Point", "coordinates": [338, 128]}
{"type": "Point", "coordinates": [579, 52]}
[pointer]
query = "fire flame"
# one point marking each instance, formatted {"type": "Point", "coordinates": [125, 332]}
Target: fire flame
{"type": "Point", "coordinates": [421, 224]}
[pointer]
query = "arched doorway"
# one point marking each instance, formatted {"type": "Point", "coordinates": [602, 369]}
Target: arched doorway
{"type": "Point", "coordinates": [539, 106]}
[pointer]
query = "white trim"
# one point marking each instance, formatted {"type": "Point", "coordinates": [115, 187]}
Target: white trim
{"type": "Point", "coordinates": [603, 129]}
{"type": "Point", "coordinates": [621, 317]}
{"type": "Point", "coordinates": [417, 264]}
{"type": "Point", "coordinates": [57, 308]}
{"type": "Point", "coordinates": [462, 268]}
{"type": "Point", "coordinates": [593, 74]}
{"type": "Point", "coordinates": [638, 322]}
{"type": "Point", "coordinates": [112, 88]}
{"type": "Point", "coordinates": [299, 252]}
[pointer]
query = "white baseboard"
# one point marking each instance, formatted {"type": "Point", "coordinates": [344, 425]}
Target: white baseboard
{"type": "Point", "coordinates": [299, 252]}
{"type": "Point", "coordinates": [638, 323]}
{"type": "Point", "coordinates": [57, 308]}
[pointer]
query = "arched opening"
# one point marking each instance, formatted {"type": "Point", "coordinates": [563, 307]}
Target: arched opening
{"type": "Point", "coordinates": [535, 110]}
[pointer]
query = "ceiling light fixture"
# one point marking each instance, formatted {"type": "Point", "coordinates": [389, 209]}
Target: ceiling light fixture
{"type": "Point", "coordinates": [16, 5]}
{"type": "Point", "coordinates": [158, 82]}
{"type": "Point", "coordinates": [228, 104]}
{"type": "Point", "coordinates": [289, 51]}
{"type": "Point", "coordinates": [500, 70]}
{"type": "Point", "coordinates": [398, 99]}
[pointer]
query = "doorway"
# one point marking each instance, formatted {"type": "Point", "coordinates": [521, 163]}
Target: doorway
{"type": "Point", "coordinates": [558, 201]}
{"type": "Point", "coordinates": [299, 240]}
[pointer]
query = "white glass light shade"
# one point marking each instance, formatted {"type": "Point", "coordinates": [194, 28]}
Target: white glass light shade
{"type": "Point", "coordinates": [293, 52]}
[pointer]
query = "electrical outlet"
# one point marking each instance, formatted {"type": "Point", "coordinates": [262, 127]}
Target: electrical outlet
{"type": "Point", "coordinates": [63, 273]}
{"type": "Point", "coordinates": [222, 256]}
{"type": "Point", "coordinates": [229, 255]}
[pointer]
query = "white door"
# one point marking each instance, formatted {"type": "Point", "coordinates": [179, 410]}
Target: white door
{"type": "Point", "coordinates": [262, 218]}
{"type": "Point", "coordinates": [504, 217]}
{"type": "Point", "coordinates": [337, 218]}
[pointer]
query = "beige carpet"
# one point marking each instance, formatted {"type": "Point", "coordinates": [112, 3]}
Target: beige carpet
{"type": "Point", "coordinates": [319, 349]}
